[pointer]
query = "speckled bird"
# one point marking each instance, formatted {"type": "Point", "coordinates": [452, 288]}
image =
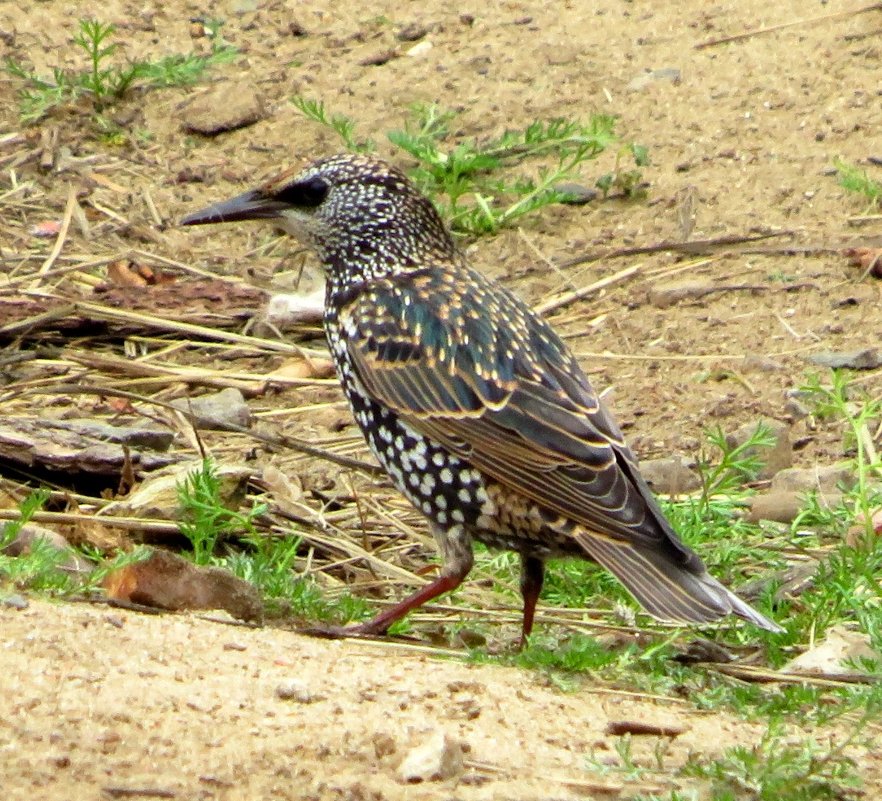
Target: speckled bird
{"type": "Point", "coordinates": [477, 410]}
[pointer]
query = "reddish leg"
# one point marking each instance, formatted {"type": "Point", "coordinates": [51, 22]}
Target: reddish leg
{"type": "Point", "coordinates": [456, 550]}
{"type": "Point", "coordinates": [532, 578]}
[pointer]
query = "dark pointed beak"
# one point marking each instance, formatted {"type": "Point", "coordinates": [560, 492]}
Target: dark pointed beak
{"type": "Point", "coordinates": [251, 205]}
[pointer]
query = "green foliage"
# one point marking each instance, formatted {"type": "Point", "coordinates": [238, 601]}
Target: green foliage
{"type": "Point", "coordinates": [40, 567]}
{"type": "Point", "coordinates": [736, 464]}
{"type": "Point", "coordinates": [342, 125]}
{"type": "Point", "coordinates": [104, 82]}
{"type": "Point", "coordinates": [28, 507]}
{"type": "Point", "coordinates": [854, 179]}
{"type": "Point", "coordinates": [205, 520]}
{"type": "Point", "coordinates": [470, 181]}
{"type": "Point", "coordinates": [778, 769]}
{"type": "Point", "coordinates": [860, 414]}
{"type": "Point", "coordinates": [265, 561]}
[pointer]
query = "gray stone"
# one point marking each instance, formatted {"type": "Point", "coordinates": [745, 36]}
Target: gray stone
{"type": "Point", "coordinates": [219, 410]}
{"type": "Point", "coordinates": [640, 82]}
{"type": "Point", "coordinates": [16, 601]}
{"type": "Point", "coordinates": [576, 194]}
{"type": "Point", "coordinates": [866, 359]}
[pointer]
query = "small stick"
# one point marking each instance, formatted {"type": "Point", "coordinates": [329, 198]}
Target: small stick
{"type": "Point", "coordinates": [577, 294]}
{"type": "Point", "coordinates": [770, 28]}
{"type": "Point", "coordinates": [62, 234]}
{"type": "Point", "coordinates": [694, 246]}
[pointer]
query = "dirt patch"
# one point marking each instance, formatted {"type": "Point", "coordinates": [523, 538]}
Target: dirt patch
{"type": "Point", "coordinates": [742, 142]}
{"type": "Point", "coordinates": [107, 699]}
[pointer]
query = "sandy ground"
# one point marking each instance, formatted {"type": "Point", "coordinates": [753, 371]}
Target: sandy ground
{"type": "Point", "coordinates": [99, 703]}
{"type": "Point", "coordinates": [99, 699]}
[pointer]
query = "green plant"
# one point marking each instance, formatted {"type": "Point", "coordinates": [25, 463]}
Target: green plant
{"type": "Point", "coordinates": [853, 179]}
{"type": "Point", "coordinates": [40, 567]}
{"type": "Point", "coordinates": [342, 125]}
{"type": "Point", "coordinates": [205, 521]}
{"type": "Point", "coordinates": [779, 769]}
{"type": "Point", "coordinates": [860, 414]}
{"type": "Point", "coordinates": [104, 82]}
{"type": "Point", "coordinates": [469, 180]}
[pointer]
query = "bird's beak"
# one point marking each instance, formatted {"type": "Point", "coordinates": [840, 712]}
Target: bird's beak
{"type": "Point", "coordinates": [254, 204]}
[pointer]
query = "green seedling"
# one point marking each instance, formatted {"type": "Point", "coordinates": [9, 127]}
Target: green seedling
{"type": "Point", "coordinates": [472, 182]}
{"type": "Point", "coordinates": [105, 80]}
{"type": "Point", "coordinates": [205, 521]}
{"type": "Point", "coordinates": [853, 179]}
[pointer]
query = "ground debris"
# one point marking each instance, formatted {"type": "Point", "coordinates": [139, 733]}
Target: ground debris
{"type": "Point", "coordinates": [836, 654]}
{"type": "Point", "coordinates": [168, 581]}
{"type": "Point", "coordinates": [433, 756]}
{"type": "Point", "coordinates": [617, 728]}
{"type": "Point", "coordinates": [220, 304]}
{"type": "Point", "coordinates": [77, 446]}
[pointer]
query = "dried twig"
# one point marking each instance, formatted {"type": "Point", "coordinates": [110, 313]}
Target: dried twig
{"type": "Point", "coordinates": [62, 234]}
{"type": "Point", "coordinates": [780, 26]}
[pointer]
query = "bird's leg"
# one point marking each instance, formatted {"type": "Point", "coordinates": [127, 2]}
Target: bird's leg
{"type": "Point", "coordinates": [456, 552]}
{"type": "Point", "coordinates": [532, 578]}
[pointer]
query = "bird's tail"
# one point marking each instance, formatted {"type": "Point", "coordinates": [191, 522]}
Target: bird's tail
{"type": "Point", "coordinates": [666, 590]}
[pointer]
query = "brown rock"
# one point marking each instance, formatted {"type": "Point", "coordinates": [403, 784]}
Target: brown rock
{"type": "Point", "coordinates": [31, 535]}
{"type": "Point", "coordinates": [824, 478]}
{"type": "Point", "coordinates": [669, 476]}
{"type": "Point", "coordinates": [225, 108]}
{"type": "Point", "coordinates": [168, 581]}
{"type": "Point", "coordinates": [783, 506]}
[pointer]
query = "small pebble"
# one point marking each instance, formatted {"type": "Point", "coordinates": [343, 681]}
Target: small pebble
{"type": "Point", "coordinates": [295, 690]}
{"type": "Point", "coordinates": [16, 601]}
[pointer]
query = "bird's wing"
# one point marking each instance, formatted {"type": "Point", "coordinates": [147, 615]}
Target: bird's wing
{"type": "Point", "coordinates": [471, 366]}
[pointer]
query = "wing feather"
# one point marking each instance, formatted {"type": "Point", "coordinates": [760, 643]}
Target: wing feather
{"type": "Point", "coordinates": [512, 400]}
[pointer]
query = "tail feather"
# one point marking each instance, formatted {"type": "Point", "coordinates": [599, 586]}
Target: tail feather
{"type": "Point", "coordinates": [666, 590]}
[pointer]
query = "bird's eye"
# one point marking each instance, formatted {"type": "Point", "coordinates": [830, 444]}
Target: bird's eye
{"type": "Point", "coordinates": [304, 194]}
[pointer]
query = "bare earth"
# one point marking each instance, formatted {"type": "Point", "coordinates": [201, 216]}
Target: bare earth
{"type": "Point", "coordinates": [95, 701]}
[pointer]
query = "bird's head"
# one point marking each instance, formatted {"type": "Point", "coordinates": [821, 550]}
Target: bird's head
{"type": "Point", "coordinates": [359, 214]}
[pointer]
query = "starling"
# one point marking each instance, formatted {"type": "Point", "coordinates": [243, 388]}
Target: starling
{"type": "Point", "coordinates": [477, 410]}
